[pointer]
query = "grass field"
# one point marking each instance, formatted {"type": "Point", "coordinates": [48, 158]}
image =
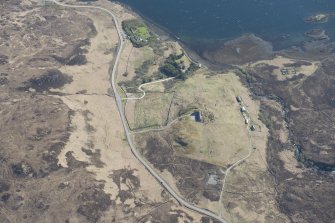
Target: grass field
{"type": "Point", "coordinates": [250, 193]}
{"type": "Point", "coordinates": [143, 32]}
{"type": "Point", "coordinates": [137, 32]}
{"type": "Point", "coordinates": [151, 111]}
{"type": "Point", "coordinates": [146, 54]}
{"type": "Point", "coordinates": [184, 60]}
{"type": "Point", "coordinates": [215, 140]}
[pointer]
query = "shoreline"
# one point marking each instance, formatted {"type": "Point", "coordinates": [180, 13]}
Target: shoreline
{"type": "Point", "coordinates": [74, 85]}
{"type": "Point", "coordinates": [157, 29]}
{"type": "Point", "coordinates": [203, 52]}
{"type": "Point", "coordinates": [118, 105]}
{"type": "Point", "coordinates": [165, 35]}
{"type": "Point", "coordinates": [212, 66]}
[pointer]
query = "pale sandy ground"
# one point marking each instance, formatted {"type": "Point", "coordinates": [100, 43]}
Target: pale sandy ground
{"type": "Point", "coordinates": [93, 76]}
{"type": "Point", "coordinates": [229, 140]}
{"type": "Point", "coordinates": [217, 142]}
{"type": "Point", "coordinates": [108, 135]}
{"type": "Point", "coordinates": [279, 61]}
{"type": "Point", "coordinates": [228, 134]}
{"type": "Point", "coordinates": [109, 138]}
{"type": "Point", "coordinates": [286, 156]}
{"type": "Point", "coordinates": [130, 54]}
{"type": "Point", "coordinates": [251, 178]}
{"type": "Point", "coordinates": [131, 59]}
{"type": "Point", "coordinates": [257, 162]}
{"type": "Point", "coordinates": [290, 162]}
{"type": "Point", "coordinates": [230, 111]}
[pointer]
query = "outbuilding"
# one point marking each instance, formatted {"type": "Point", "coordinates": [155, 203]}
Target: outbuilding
{"type": "Point", "coordinates": [238, 99]}
{"type": "Point", "coordinates": [197, 116]}
{"type": "Point", "coordinates": [253, 128]}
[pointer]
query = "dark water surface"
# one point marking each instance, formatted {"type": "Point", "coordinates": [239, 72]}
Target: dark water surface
{"type": "Point", "coordinates": [201, 22]}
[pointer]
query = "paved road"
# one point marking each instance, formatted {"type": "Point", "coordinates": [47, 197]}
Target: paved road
{"type": "Point", "coordinates": [143, 92]}
{"type": "Point", "coordinates": [124, 123]}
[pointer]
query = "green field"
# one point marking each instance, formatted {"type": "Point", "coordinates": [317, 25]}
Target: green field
{"type": "Point", "coordinates": [143, 32]}
{"type": "Point", "coordinates": [137, 32]}
{"type": "Point", "coordinates": [152, 111]}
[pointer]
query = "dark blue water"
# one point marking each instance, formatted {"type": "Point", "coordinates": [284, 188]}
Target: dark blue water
{"type": "Point", "coordinates": [206, 21]}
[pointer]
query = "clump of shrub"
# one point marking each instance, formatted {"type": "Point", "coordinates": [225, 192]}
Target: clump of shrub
{"type": "Point", "coordinates": [173, 67]}
{"type": "Point", "coordinates": [138, 33]}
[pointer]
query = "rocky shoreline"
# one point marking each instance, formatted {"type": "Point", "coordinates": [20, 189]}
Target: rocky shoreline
{"type": "Point", "coordinates": [313, 167]}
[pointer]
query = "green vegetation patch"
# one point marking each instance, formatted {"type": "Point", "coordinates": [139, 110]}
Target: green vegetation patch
{"type": "Point", "coordinates": [143, 32]}
{"type": "Point", "coordinates": [152, 111]}
{"type": "Point", "coordinates": [147, 54]}
{"type": "Point", "coordinates": [141, 77]}
{"type": "Point", "coordinates": [138, 33]}
{"type": "Point", "coordinates": [175, 66]}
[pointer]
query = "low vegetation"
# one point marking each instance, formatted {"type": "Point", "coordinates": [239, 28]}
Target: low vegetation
{"type": "Point", "coordinates": [137, 32]}
{"type": "Point", "coordinates": [175, 66]}
{"type": "Point", "coordinates": [141, 77]}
